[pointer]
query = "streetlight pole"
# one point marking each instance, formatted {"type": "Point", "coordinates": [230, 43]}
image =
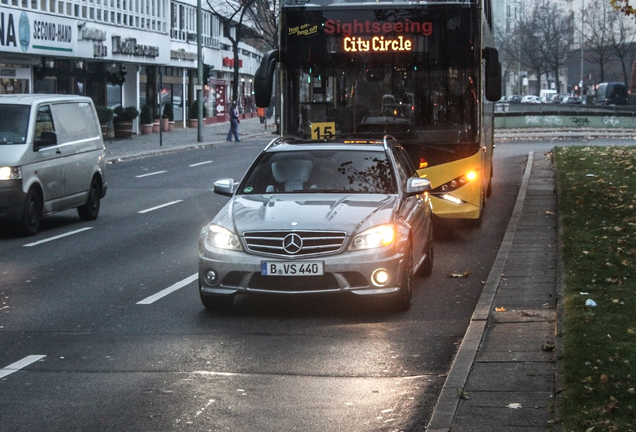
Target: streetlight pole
{"type": "Point", "coordinates": [199, 86]}
{"type": "Point", "coordinates": [582, 82]}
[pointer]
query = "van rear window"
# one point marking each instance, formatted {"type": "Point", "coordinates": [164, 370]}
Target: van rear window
{"type": "Point", "coordinates": [14, 124]}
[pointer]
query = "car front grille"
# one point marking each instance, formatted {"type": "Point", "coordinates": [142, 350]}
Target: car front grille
{"type": "Point", "coordinates": [295, 243]}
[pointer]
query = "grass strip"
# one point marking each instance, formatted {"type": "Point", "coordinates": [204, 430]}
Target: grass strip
{"type": "Point", "coordinates": [597, 196]}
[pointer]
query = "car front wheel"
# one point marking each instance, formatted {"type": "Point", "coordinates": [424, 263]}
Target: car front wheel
{"type": "Point", "coordinates": [404, 296]}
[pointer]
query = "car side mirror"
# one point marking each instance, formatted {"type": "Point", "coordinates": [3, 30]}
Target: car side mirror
{"type": "Point", "coordinates": [47, 139]}
{"type": "Point", "coordinates": [224, 187]}
{"type": "Point", "coordinates": [418, 185]}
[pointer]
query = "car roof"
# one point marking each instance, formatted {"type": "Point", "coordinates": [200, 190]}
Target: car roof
{"type": "Point", "coordinates": [356, 145]}
{"type": "Point", "coordinates": [30, 99]}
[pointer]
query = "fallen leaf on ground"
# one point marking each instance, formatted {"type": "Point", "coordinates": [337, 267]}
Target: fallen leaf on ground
{"type": "Point", "coordinates": [459, 275]}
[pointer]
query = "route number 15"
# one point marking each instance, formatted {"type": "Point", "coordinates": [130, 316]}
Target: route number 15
{"type": "Point", "coordinates": [322, 130]}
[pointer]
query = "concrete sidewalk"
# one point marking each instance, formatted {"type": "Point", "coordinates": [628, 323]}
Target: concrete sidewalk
{"type": "Point", "coordinates": [503, 377]}
{"type": "Point", "coordinates": [179, 139]}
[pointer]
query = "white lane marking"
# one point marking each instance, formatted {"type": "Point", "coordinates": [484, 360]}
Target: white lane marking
{"type": "Point", "coordinates": [57, 237]}
{"type": "Point", "coordinates": [200, 163]}
{"type": "Point", "coordinates": [14, 367]}
{"type": "Point", "coordinates": [150, 174]}
{"type": "Point", "coordinates": [159, 206]}
{"type": "Point", "coordinates": [169, 290]}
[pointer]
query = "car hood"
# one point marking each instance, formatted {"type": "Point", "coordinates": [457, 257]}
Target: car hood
{"type": "Point", "coordinates": [333, 212]}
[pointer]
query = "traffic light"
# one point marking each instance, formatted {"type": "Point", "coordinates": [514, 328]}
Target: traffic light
{"type": "Point", "coordinates": [207, 72]}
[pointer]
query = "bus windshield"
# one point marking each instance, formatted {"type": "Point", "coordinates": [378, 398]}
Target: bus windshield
{"type": "Point", "coordinates": [347, 76]}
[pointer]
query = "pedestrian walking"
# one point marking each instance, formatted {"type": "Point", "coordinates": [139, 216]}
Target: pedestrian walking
{"type": "Point", "coordinates": [234, 122]}
{"type": "Point", "coordinates": [260, 112]}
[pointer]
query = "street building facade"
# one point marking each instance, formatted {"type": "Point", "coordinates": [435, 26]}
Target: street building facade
{"type": "Point", "coordinates": [123, 52]}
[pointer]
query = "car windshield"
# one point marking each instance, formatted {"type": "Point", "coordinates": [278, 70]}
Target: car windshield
{"type": "Point", "coordinates": [320, 171]}
{"type": "Point", "coordinates": [14, 122]}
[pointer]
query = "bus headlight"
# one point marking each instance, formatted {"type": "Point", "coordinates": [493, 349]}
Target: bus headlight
{"type": "Point", "coordinates": [455, 183]}
{"type": "Point", "coordinates": [10, 173]}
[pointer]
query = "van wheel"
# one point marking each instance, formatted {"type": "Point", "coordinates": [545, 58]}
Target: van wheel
{"type": "Point", "coordinates": [90, 210]}
{"type": "Point", "coordinates": [32, 214]}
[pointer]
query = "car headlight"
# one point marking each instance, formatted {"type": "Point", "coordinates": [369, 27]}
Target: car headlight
{"type": "Point", "coordinates": [222, 238]}
{"type": "Point", "coordinates": [381, 235]}
{"type": "Point", "coordinates": [10, 173]}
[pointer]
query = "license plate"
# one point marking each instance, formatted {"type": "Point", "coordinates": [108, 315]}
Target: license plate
{"type": "Point", "coordinates": [296, 268]}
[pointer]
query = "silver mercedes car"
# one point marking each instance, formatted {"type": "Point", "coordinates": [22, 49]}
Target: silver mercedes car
{"type": "Point", "coordinates": [320, 218]}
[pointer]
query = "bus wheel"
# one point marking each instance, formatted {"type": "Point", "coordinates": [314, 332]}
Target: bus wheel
{"type": "Point", "coordinates": [476, 223]}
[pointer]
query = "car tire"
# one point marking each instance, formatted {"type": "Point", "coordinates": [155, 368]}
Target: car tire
{"type": "Point", "coordinates": [404, 296]}
{"type": "Point", "coordinates": [90, 210]}
{"type": "Point", "coordinates": [32, 213]}
{"type": "Point", "coordinates": [217, 303]}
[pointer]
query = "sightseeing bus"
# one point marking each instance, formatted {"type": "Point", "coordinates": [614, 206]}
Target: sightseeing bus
{"type": "Point", "coordinates": [424, 72]}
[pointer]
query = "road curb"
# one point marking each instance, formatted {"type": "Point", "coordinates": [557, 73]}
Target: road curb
{"type": "Point", "coordinates": [446, 407]}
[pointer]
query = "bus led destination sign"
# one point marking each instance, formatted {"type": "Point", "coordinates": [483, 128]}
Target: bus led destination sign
{"type": "Point", "coordinates": [371, 36]}
{"type": "Point", "coordinates": [377, 43]}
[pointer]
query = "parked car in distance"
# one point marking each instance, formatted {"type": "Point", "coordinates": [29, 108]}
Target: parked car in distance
{"type": "Point", "coordinates": [572, 100]}
{"type": "Point", "coordinates": [514, 99]}
{"type": "Point", "coordinates": [51, 158]}
{"type": "Point", "coordinates": [531, 99]}
{"type": "Point", "coordinates": [320, 218]}
{"type": "Point", "coordinates": [611, 93]}
{"type": "Point", "coordinates": [558, 98]}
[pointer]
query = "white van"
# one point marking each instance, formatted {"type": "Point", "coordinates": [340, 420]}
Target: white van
{"type": "Point", "coordinates": [51, 158]}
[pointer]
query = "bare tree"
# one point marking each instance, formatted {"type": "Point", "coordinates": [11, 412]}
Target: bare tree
{"type": "Point", "coordinates": [555, 31]}
{"type": "Point", "coordinates": [597, 34]}
{"type": "Point", "coordinates": [232, 15]}
{"type": "Point", "coordinates": [623, 42]}
{"type": "Point", "coordinates": [526, 45]}
{"type": "Point", "coordinates": [265, 15]}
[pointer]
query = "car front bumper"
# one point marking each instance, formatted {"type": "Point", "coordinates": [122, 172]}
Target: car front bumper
{"type": "Point", "coordinates": [350, 272]}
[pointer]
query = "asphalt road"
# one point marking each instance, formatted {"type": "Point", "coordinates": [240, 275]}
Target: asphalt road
{"type": "Point", "coordinates": [103, 329]}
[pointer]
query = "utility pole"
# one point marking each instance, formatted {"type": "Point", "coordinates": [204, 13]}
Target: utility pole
{"type": "Point", "coordinates": [199, 73]}
{"type": "Point", "coordinates": [582, 82]}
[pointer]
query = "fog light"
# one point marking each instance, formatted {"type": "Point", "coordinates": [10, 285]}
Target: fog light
{"type": "Point", "coordinates": [380, 277]}
{"type": "Point", "coordinates": [210, 277]}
